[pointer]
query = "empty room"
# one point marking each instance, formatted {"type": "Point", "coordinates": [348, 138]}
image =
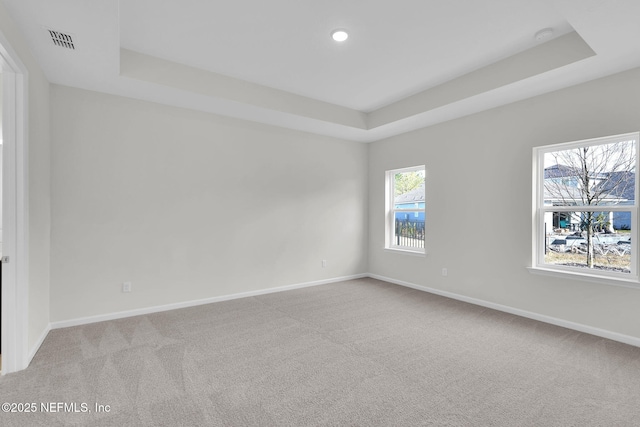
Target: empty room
{"type": "Point", "coordinates": [292, 212]}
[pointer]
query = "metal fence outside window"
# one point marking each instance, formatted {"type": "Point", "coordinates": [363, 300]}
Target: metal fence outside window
{"type": "Point", "coordinates": [410, 233]}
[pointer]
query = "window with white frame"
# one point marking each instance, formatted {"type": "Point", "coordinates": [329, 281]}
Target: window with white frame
{"type": "Point", "coordinates": [586, 208]}
{"type": "Point", "coordinates": [405, 209]}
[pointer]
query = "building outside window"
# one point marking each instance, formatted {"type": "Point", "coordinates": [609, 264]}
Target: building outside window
{"type": "Point", "coordinates": [405, 209]}
{"type": "Point", "coordinates": [586, 210]}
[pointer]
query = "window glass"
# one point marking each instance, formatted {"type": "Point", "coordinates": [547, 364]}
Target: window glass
{"type": "Point", "coordinates": [406, 209]}
{"type": "Point", "coordinates": [586, 206]}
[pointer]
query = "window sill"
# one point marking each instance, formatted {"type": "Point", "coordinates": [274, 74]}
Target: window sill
{"type": "Point", "coordinates": [405, 252]}
{"type": "Point", "coordinates": [605, 280]}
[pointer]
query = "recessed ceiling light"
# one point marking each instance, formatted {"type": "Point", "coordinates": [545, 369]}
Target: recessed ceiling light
{"type": "Point", "coordinates": [339, 35]}
{"type": "Point", "coordinates": [544, 34]}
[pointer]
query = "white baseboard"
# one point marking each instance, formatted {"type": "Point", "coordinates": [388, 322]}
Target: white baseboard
{"type": "Point", "coordinates": [193, 303]}
{"type": "Point", "coordinates": [37, 345]}
{"type": "Point", "coordinates": [627, 339]}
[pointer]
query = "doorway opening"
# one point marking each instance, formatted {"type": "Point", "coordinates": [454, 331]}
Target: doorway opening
{"type": "Point", "coordinates": [1, 223]}
{"type": "Point", "coordinates": [13, 273]}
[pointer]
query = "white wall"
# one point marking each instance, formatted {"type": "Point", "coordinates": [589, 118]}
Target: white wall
{"type": "Point", "coordinates": [39, 189]}
{"type": "Point", "coordinates": [189, 205]}
{"type": "Point", "coordinates": [478, 196]}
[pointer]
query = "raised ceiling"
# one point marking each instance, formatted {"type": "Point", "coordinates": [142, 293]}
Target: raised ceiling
{"type": "Point", "coordinates": [407, 63]}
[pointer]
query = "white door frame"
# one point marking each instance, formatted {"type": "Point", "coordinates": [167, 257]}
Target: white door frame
{"type": "Point", "coordinates": [15, 293]}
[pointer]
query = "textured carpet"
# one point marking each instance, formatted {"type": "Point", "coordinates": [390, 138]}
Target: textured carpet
{"type": "Point", "coordinates": [360, 352]}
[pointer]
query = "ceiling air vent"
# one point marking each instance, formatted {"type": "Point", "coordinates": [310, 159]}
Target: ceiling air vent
{"type": "Point", "coordinates": [61, 39]}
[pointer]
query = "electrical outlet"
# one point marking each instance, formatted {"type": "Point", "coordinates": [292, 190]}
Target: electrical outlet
{"type": "Point", "coordinates": [324, 263]}
{"type": "Point", "coordinates": [126, 287]}
{"type": "Point", "coordinates": [444, 272]}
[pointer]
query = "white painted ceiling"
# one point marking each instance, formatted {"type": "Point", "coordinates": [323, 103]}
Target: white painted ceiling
{"type": "Point", "coordinates": [407, 63]}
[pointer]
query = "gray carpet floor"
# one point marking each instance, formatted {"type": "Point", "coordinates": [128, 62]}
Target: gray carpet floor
{"type": "Point", "coordinates": [357, 353]}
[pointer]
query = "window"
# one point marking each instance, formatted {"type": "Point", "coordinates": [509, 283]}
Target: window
{"type": "Point", "coordinates": [405, 204]}
{"type": "Point", "coordinates": [586, 208]}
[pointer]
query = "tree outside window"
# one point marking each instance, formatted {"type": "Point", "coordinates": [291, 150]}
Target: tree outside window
{"type": "Point", "coordinates": [586, 205]}
{"type": "Point", "coordinates": [405, 227]}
